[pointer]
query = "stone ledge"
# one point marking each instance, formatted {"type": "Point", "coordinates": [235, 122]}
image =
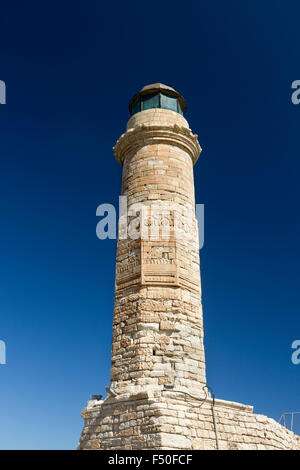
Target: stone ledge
{"type": "Point", "coordinates": [157, 134]}
{"type": "Point", "coordinates": [232, 404]}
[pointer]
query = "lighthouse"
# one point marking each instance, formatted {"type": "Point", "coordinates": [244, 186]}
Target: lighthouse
{"type": "Point", "coordinates": [158, 397]}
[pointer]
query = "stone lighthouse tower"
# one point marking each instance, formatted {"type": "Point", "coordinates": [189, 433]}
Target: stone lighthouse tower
{"type": "Point", "coordinates": [157, 328]}
{"type": "Point", "coordinates": [157, 332]}
{"type": "Point", "coordinates": [157, 398]}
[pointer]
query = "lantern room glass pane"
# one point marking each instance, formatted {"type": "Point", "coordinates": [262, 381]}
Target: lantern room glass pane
{"type": "Point", "coordinates": [179, 108]}
{"type": "Point", "coordinates": [168, 102]}
{"type": "Point", "coordinates": [136, 107]}
{"type": "Point", "coordinates": [150, 101]}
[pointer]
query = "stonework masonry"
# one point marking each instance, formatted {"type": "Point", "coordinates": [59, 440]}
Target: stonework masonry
{"type": "Point", "coordinates": [159, 398]}
{"type": "Point", "coordinates": [167, 421]}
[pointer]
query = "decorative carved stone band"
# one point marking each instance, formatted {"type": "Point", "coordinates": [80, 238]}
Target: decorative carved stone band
{"type": "Point", "coordinates": [154, 134]}
{"type": "Point", "coordinates": [159, 264]}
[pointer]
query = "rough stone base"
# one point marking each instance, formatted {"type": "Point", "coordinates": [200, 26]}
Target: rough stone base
{"type": "Point", "coordinates": [169, 420]}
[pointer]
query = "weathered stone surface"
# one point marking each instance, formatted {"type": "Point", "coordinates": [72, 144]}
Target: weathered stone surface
{"type": "Point", "coordinates": [168, 421]}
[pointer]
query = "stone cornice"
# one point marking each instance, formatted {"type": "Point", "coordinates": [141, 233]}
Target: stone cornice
{"type": "Point", "coordinates": [157, 134]}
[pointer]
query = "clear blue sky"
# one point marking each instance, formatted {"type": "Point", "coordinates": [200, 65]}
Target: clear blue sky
{"type": "Point", "coordinates": [70, 70]}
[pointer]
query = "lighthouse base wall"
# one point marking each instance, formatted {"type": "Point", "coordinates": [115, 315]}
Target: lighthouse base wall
{"type": "Point", "coordinates": [164, 420]}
